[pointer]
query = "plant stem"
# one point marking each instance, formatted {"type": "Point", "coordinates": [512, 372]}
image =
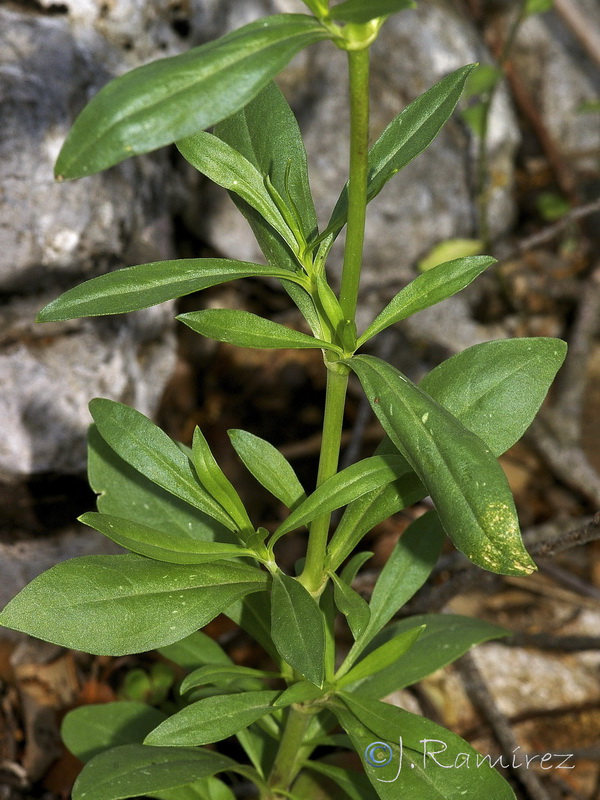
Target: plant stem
{"type": "Point", "coordinates": [312, 576]}
{"type": "Point", "coordinates": [358, 66]}
{"type": "Point", "coordinates": [286, 766]}
{"type": "Point", "coordinates": [337, 379]}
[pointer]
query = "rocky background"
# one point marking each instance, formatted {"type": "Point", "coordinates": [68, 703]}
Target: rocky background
{"type": "Point", "coordinates": [543, 161]}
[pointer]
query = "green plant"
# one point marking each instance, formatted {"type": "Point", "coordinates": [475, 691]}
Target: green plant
{"type": "Point", "coordinates": [195, 552]}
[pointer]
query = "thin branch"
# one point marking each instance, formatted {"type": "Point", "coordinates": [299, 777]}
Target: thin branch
{"type": "Point", "coordinates": [590, 532]}
{"type": "Point", "coordinates": [579, 22]}
{"type": "Point", "coordinates": [482, 699]}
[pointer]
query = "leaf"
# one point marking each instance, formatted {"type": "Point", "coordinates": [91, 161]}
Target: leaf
{"type": "Point", "coordinates": [270, 468]}
{"type": "Point", "coordinates": [301, 692]}
{"type": "Point", "coordinates": [426, 290]}
{"type": "Point", "coordinates": [342, 488]}
{"type": "Point", "coordinates": [90, 729]}
{"type": "Point", "coordinates": [406, 570]}
{"type": "Point", "coordinates": [381, 657]}
{"type": "Point", "coordinates": [253, 614]}
{"type": "Point", "coordinates": [215, 482]}
{"type": "Point", "coordinates": [220, 675]}
{"type": "Point", "coordinates": [405, 138]}
{"type": "Point", "coordinates": [482, 80]}
{"type": "Point", "coordinates": [143, 445]}
{"type": "Point", "coordinates": [171, 98]}
{"type": "Point", "coordinates": [135, 769]}
{"type": "Point", "coordinates": [357, 11]}
{"type": "Point", "coordinates": [446, 638]}
{"type": "Point", "coordinates": [276, 150]}
{"type": "Point", "coordinates": [160, 545]}
{"type": "Point", "coordinates": [213, 718]}
{"type": "Point", "coordinates": [249, 330]}
{"type": "Point", "coordinates": [351, 604]}
{"type": "Point", "coordinates": [537, 6]}
{"type": "Point", "coordinates": [416, 755]}
{"type": "Point", "coordinates": [297, 628]}
{"type": "Point", "coordinates": [354, 784]}
{"type": "Point", "coordinates": [452, 250]}
{"type": "Point", "coordinates": [204, 789]}
{"type": "Point", "coordinates": [365, 512]}
{"type": "Point", "coordinates": [194, 650]}
{"type": "Point", "coordinates": [227, 168]}
{"type": "Point", "coordinates": [496, 388]}
{"type": "Point", "coordinates": [134, 288]}
{"type": "Point", "coordinates": [125, 492]}
{"type": "Point", "coordinates": [130, 604]}
{"type": "Point", "coordinates": [353, 565]}
{"type": "Point", "coordinates": [466, 483]}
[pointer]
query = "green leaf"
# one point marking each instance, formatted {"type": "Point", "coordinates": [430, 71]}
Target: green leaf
{"type": "Point", "coordinates": [124, 492]}
{"type": "Point", "coordinates": [301, 692]}
{"type": "Point", "coordinates": [139, 442]}
{"type": "Point", "coordinates": [353, 784]}
{"type": "Point", "coordinates": [270, 468]}
{"type": "Point", "coordinates": [405, 138]}
{"type": "Point", "coordinates": [134, 769]}
{"type": "Point", "coordinates": [406, 570]}
{"type": "Point", "coordinates": [399, 749]}
{"type": "Point", "coordinates": [483, 79]}
{"type": "Point", "coordinates": [226, 167]}
{"type": "Point", "coordinates": [354, 564]}
{"type": "Point", "coordinates": [88, 730]}
{"type": "Point", "coordinates": [215, 482]}
{"type": "Point", "coordinates": [276, 150]}
{"type": "Point", "coordinates": [452, 250]}
{"type": "Point", "coordinates": [171, 98]}
{"type": "Point", "coordinates": [446, 638]}
{"type": "Point", "coordinates": [358, 12]}
{"type": "Point", "coordinates": [220, 675]}
{"type": "Point", "coordinates": [297, 628]}
{"type": "Point", "coordinates": [351, 604]}
{"type": "Point", "coordinates": [466, 483]}
{"type": "Point", "coordinates": [537, 6]}
{"type": "Point", "coordinates": [476, 117]}
{"type": "Point", "coordinates": [249, 330]}
{"type": "Point", "coordinates": [205, 789]}
{"type": "Point", "coordinates": [426, 290]}
{"type": "Point", "coordinates": [144, 285]}
{"type": "Point", "coordinates": [130, 604]}
{"type": "Point", "coordinates": [365, 512]}
{"type": "Point", "coordinates": [341, 489]}
{"type": "Point", "coordinates": [213, 718]}
{"type": "Point", "coordinates": [160, 545]}
{"type": "Point", "coordinates": [496, 388]}
{"type": "Point", "coordinates": [253, 614]}
{"type": "Point", "coordinates": [381, 657]}
{"type": "Point", "coordinates": [196, 649]}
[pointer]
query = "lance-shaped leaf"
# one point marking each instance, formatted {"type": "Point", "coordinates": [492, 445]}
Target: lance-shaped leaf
{"type": "Point", "coordinates": [466, 483]}
{"type": "Point", "coordinates": [130, 604]}
{"type": "Point", "coordinates": [381, 657]}
{"type": "Point", "coordinates": [351, 604]}
{"type": "Point", "coordinates": [125, 492]}
{"type": "Point", "coordinates": [270, 468]}
{"type": "Point", "coordinates": [428, 289]}
{"type": "Point", "coordinates": [220, 675]}
{"type": "Point", "coordinates": [134, 770]}
{"type": "Point", "coordinates": [276, 150]}
{"type": "Point", "coordinates": [144, 285]}
{"type": "Point", "coordinates": [341, 489]}
{"type": "Point", "coordinates": [428, 761]}
{"type": "Point", "coordinates": [406, 570]}
{"type": "Point", "coordinates": [249, 330]}
{"type": "Point", "coordinates": [171, 98]}
{"type": "Point", "coordinates": [157, 544]}
{"type": "Point", "coordinates": [90, 729]}
{"type": "Point", "coordinates": [405, 138]}
{"type": "Point", "coordinates": [226, 167]}
{"type": "Point", "coordinates": [143, 445]}
{"type": "Point", "coordinates": [216, 483]}
{"type": "Point", "coordinates": [496, 388]}
{"type": "Point", "coordinates": [355, 785]}
{"type": "Point", "coordinates": [446, 637]}
{"type": "Point", "coordinates": [194, 650]}
{"type": "Point", "coordinates": [297, 628]}
{"type": "Point", "coordinates": [357, 11]}
{"type": "Point", "coordinates": [213, 718]}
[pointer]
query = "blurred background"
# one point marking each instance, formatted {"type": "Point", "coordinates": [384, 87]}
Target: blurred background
{"type": "Point", "coordinates": [515, 173]}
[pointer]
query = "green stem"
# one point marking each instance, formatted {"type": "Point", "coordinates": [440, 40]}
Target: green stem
{"type": "Point", "coordinates": [358, 66]}
{"type": "Point", "coordinates": [337, 382]}
{"type": "Point", "coordinates": [287, 761]}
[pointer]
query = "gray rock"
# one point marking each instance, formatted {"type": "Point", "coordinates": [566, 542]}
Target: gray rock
{"type": "Point", "coordinates": [50, 373]}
